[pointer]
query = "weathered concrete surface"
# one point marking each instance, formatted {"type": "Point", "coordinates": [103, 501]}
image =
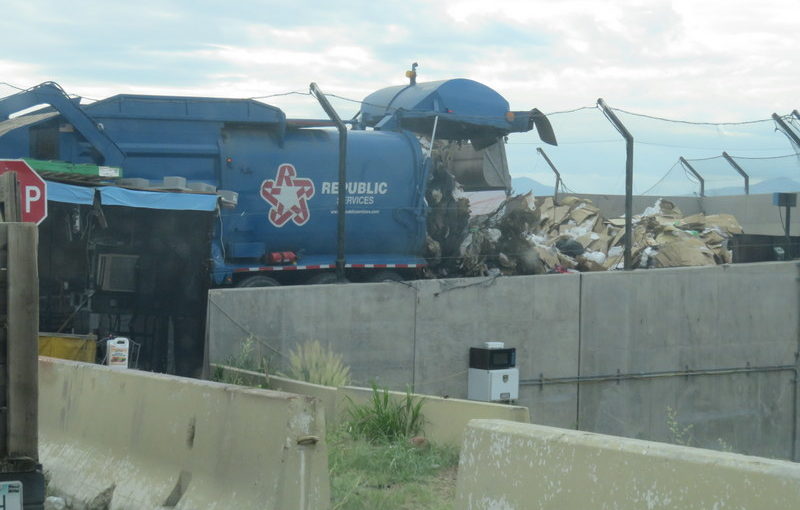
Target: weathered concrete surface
{"type": "Point", "coordinates": [445, 418]}
{"type": "Point", "coordinates": [512, 466]}
{"type": "Point", "coordinates": [535, 314]}
{"type": "Point", "coordinates": [613, 206]}
{"type": "Point", "coordinates": [371, 325]}
{"type": "Point", "coordinates": [755, 213]}
{"type": "Point", "coordinates": [141, 440]}
{"type": "Point", "coordinates": [697, 319]}
{"type": "Point", "coordinates": [564, 326]}
{"type": "Point", "coordinates": [417, 333]}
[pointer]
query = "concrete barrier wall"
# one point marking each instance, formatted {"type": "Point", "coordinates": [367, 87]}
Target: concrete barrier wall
{"type": "Point", "coordinates": [328, 396]}
{"type": "Point", "coordinates": [136, 440]}
{"type": "Point", "coordinates": [755, 213]}
{"type": "Point", "coordinates": [613, 206]}
{"type": "Point", "coordinates": [420, 332]}
{"type": "Point", "coordinates": [445, 418]}
{"type": "Point", "coordinates": [514, 466]}
{"type": "Point", "coordinates": [570, 331]}
{"type": "Point", "coordinates": [371, 325]}
{"type": "Point", "coordinates": [703, 320]}
{"type": "Point", "coordinates": [536, 314]}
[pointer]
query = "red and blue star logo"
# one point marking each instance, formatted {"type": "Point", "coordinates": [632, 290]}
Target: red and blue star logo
{"type": "Point", "coordinates": [288, 195]}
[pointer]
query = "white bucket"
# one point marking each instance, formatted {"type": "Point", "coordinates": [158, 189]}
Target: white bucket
{"type": "Point", "coordinates": [117, 352]}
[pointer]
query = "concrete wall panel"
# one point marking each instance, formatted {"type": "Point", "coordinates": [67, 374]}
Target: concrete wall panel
{"type": "Point", "coordinates": [535, 314]}
{"type": "Point", "coordinates": [747, 413]}
{"type": "Point", "coordinates": [138, 440]}
{"type": "Point", "coordinates": [755, 213]}
{"type": "Point", "coordinates": [669, 319]}
{"type": "Point", "coordinates": [514, 466]}
{"type": "Point", "coordinates": [563, 326]}
{"type": "Point", "coordinates": [370, 325]}
{"type": "Point", "coordinates": [613, 206]}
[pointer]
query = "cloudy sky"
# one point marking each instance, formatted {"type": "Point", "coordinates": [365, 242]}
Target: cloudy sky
{"type": "Point", "coordinates": [695, 60]}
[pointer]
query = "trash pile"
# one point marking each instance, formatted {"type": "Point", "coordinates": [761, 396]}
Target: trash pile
{"type": "Point", "coordinates": [447, 220]}
{"type": "Point", "coordinates": [526, 235]}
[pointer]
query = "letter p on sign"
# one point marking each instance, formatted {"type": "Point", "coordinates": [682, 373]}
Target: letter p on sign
{"type": "Point", "coordinates": [32, 194]}
{"type": "Point", "coordinates": [33, 190]}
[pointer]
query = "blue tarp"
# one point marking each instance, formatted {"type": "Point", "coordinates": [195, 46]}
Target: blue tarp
{"type": "Point", "coordinates": [60, 192]}
{"type": "Point", "coordinates": [111, 195]}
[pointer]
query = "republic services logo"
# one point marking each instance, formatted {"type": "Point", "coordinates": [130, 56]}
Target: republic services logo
{"type": "Point", "coordinates": [288, 195]}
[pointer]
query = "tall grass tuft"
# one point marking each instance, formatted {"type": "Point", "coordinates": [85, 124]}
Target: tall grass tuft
{"type": "Point", "coordinates": [313, 363]}
{"type": "Point", "coordinates": [245, 358]}
{"type": "Point", "coordinates": [384, 419]}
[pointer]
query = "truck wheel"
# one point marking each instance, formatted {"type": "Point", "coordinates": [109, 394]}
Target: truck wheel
{"type": "Point", "coordinates": [258, 281]}
{"type": "Point", "coordinates": [385, 276]}
{"type": "Point", "coordinates": [323, 279]}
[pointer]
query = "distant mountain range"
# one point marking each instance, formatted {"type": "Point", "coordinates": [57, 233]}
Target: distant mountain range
{"type": "Point", "coordinates": [776, 185]}
{"type": "Point", "coordinates": [525, 184]}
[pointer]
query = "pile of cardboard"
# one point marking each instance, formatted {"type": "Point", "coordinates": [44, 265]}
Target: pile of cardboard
{"type": "Point", "coordinates": [534, 236]}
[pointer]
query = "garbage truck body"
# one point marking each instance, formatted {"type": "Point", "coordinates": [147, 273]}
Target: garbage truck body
{"type": "Point", "coordinates": [277, 177]}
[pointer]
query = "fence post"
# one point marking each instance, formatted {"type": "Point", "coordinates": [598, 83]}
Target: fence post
{"type": "Point", "coordinates": [696, 174]}
{"type": "Point", "coordinates": [555, 171]}
{"type": "Point", "coordinates": [612, 117]}
{"type": "Point", "coordinates": [340, 208]}
{"type": "Point", "coordinates": [789, 132]}
{"type": "Point", "coordinates": [741, 171]}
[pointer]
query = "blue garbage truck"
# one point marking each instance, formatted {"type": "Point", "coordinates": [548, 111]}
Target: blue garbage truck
{"type": "Point", "coordinates": [299, 198]}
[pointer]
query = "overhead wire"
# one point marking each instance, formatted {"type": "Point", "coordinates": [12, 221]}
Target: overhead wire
{"type": "Point", "coordinates": [12, 86]}
{"type": "Point", "coordinates": [578, 109]}
{"type": "Point", "coordinates": [651, 188]}
{"type": "Point", "coordinates": [290, 93]}
{"type": "Point", "coordinates": [693, 123]}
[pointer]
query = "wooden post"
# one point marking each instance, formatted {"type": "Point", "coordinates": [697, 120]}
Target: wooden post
{"type": "Point", "coordinates": [3, 346]}
{"type": "Point", "coordinates": [9, 197]}
{"type": "Point", "coordinates": [23, 341]}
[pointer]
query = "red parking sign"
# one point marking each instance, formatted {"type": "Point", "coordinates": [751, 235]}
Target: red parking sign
{"type": "Point", "coordinates": [32, 190]}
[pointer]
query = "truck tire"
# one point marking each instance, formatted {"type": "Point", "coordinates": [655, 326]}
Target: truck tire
{"type": "Point", "coordinates": [385, 276]}
{"type": "Point", "coordinates": [323, 279]}
{"type": "Point", "coordinates": [258, 280]}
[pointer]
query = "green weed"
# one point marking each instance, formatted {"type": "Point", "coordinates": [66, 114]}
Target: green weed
{"type": "Point", "coordinates": [245, 360]}
{"type": "Point", "coordinates": [678, 433]}
{"type": "Point", "coordinates": [683, 434]}
{"type": "Point", "coordinates": [383, 419]}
